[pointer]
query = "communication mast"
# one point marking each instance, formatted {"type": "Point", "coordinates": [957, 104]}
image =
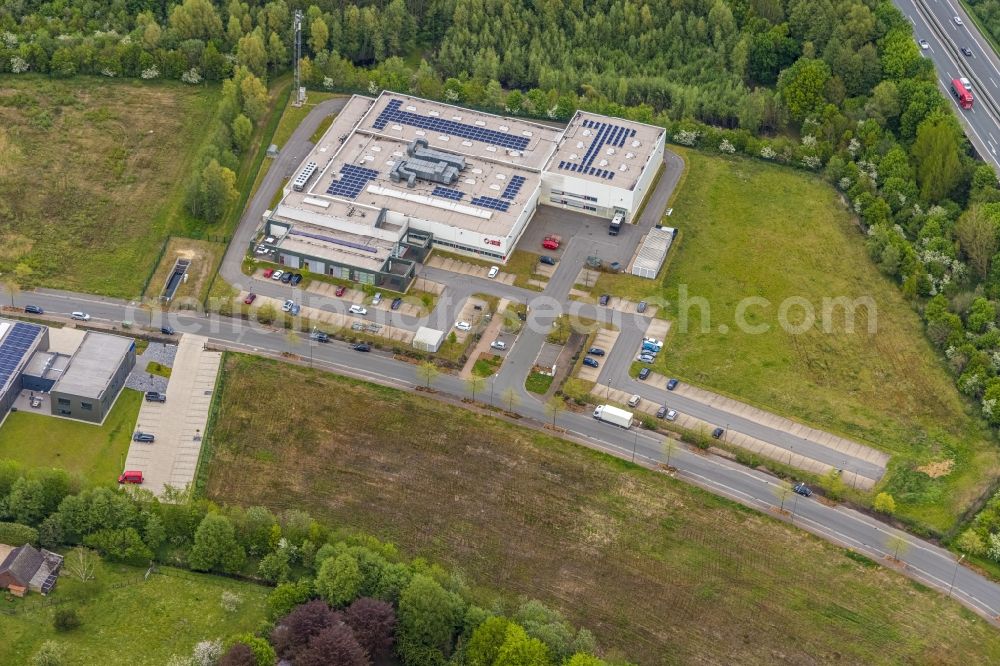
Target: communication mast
{"type": "Point", "coordinates": [300, 91]}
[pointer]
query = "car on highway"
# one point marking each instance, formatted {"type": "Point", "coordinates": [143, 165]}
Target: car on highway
{"type": "Point", "coordinates": [80, 316]}
{"type": "Point", "coordinates": [286, 278]}
{"type": "Point", "coordinates": [463, 325]}
{"type": "Point", "coordinates": [923, 44]}
{"type": "Point", "coordinates": [547, 260]}
{"type": "Point", "coordinates": [358, 310]}
{"type": "Point", "coordinates": [645, 358]}
{"type": "Point", "coordinates": [802, 489]}
{"type": "Point", "coordinates": [340, 291]}
{"type": "Point", "coordinates": [718, 433]}
{"type": "Point", "coordinates": [498, 344]}
{"type": "Point", "coordinates": [143, 437]}
{"type": "Point", "coordinates": [296, 308]}
{"type": "Point", "coordinates": [966, 51]}
{"type": "Point", "coordinates": [494, 271]}
{"type": "Point", "coordinates": [377, 298]}
{"type": "Point", "coordinates": [251, 297]}
{"type": "Point", "coordinates": [362, 347]}
{"type": "Point", "coordinates": [319, 336]}
{"type": "Point", "coordinates": [596, 351]}
{"type": "Point", "coordinates": [155, 396]}
{"type": "Point", "coordinates": [268, 272]}
{"type": "Point", "coordinates": [958, 20]}
{"type": "Point", "coordinates": [590, 362]}
{"type": "Point", "coordinates": [276, 275]}
{"type": "Point", "coordinates": [965, 82]}
{"type": "Point", "coordinates": [644, 373]}
{"type": "Point", "coordinates": [396, 302]}
{"type": "Point", "coordinates": [641, 307]}
{"type": "Point", "coordinates": [671, 384]}
{"type": "Point", "coordinates": [297, 278]}
{"type": "Point", "coordinates": [605, 298]}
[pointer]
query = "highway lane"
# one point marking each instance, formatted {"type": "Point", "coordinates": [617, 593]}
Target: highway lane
{"type": "Point", "coordinates": [933, 20]}
{"type": "Point", "coordinates": [923, 561]}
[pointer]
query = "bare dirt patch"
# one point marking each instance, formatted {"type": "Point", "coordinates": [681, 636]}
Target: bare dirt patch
{"type": "Point", "coordinates": [936, 469]}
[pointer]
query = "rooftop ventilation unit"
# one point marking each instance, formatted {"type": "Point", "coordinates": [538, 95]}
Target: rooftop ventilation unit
{"type": "Point", "coordinates": [307, 172]}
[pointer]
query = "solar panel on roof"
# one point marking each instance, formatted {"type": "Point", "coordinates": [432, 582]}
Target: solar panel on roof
{"type": "Point", "coordinates": [513, 187]}
{"type": "Point", "coordinates": [13, 347]}
{"type": "Point", "coordinates": [392, 113]}
{"type": "Point", "coordinates": [491, 203]}
{"type": "Point", "coordinates": [353, 179]}
{"type": "Point", "coordinates": [448, 193]}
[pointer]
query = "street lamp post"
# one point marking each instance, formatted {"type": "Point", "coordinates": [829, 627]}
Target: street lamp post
{"type": "Point", "coordinates": [955, 575]}
{"type": "Point", "coordinates": [493, 380]}
{"type": "Point", "coordinates": [635, 444]}
{"type": "Point", "coordinates": [608, 397]}
{"type": "Point", "coordinates": [795, 503]}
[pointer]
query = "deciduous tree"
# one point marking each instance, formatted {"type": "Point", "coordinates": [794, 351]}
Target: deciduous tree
{"type": "Point", "coordinates": [215, 546]}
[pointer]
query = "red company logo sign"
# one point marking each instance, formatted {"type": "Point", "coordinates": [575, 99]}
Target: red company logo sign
{"type": "Point", "coordinates": [490, 241]}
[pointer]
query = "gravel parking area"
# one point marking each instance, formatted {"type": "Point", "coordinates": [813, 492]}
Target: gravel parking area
{"type": "Point", "coordinates": [139, 379]}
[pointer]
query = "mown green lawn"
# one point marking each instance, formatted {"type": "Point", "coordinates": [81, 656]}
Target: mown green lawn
{"type": "Point", "coordinates": [95, 452]}
{"type": "Point", "coordinates": [660, 571]}
{"type": "Point", "coordinates": [775, 241]}
{"type": "Point", "coordinates": [129, 620]}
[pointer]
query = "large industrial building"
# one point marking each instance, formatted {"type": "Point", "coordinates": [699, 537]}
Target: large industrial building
{"type": "Point", "coordinates": [80, 373]}
{"type": "Point", "coordinates": [397, 175]}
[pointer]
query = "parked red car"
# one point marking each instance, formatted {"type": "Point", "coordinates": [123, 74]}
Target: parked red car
{"type": "Point", "coordinates": [551, 242]}
{"type": "Point", "coordinates": [251, 297]}
{"type": "Point", "coordinates": [268, 272]}
{"type": "Point", "coordinates": [132, 476]}
{"type": "Point", "coordinates": [340, 291]}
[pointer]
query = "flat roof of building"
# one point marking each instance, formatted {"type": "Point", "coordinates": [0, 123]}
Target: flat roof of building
{"type": "Point", "coordinates": [653, 251]}
{"type": "Point", "coordinates": [94, 364]}
{"type": "Point", "coordinates": [47, 364]}
{"type": "Point", "coordinates": [363, 252]}
{"type": "Point", "coordinates": [65, 340]}
{"type": "Point", "coordinates": [355, 156]}
{"type": "Point", "coordinates": [606, 150]}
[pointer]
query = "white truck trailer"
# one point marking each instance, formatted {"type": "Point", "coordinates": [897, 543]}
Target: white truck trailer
{"type": "Point", "coordinates": [613, 415]}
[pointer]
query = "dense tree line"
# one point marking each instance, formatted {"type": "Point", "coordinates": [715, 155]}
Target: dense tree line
{"type": "Point", "coordinates": [337, 600]}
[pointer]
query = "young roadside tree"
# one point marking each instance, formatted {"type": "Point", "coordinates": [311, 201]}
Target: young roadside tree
{"type": "Point", "coordinates": [427, 371]}
{"type": "Point", "coordinates": [554, 407]}
{"type": "Point", "coordinates": [475, 384]}
{"type": "Point", "coordinates": [510, 397]}
{"type": "Point", "coordinates": [884, 503]}
{"type": "Point", "coordinates": [898, 545]}
{"type": "Point", "coordinates": [215, 546]}
{"type": "Point", "coordinates": [782, 490]}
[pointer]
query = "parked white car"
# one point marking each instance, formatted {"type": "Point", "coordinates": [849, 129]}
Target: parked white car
{"type": "Point", "coordinates": [276, 275]}
{"type": "Point", "coordinates": [377, 299]}
{"type": "Point", "coordinates": [288, 305]}
{"type": "Point", "coordinates": [358, 310]}
{"type": "Point", "coordinates": [80, 316]}
{"type": "Point", "coordinates": [498, 344]}
{"type": "Point", "coordinates": [494, 270]}
{"type": "Point", "coordinates": [463, 325]}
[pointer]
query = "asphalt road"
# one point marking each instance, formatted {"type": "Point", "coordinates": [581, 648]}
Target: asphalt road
{"type": "Point", "coordinates": [933, 20]}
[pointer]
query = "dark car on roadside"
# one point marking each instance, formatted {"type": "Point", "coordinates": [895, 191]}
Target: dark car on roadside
{"type": "Point", "coordinates": [592, 362]}
{"type": "Point", "coordinates": [143, 437]}
{"type": "Point", "coordinates": [362, 347]}
{"type": "Point", "coordinates": [718, 433]}
{"type": "Point", "coordinates": [802, 489]}
{"type": "Point", "coordinates": [661, 412]}
{"type": "Point", "coordinates": [641, 307]}
{"type": "Point", "coordinates": [605, 298]}
{"type": "Point", "coordinates": [286, 278]}
{"type": "Point", "coordinates": [155, 396]}
{"type": "Point", "coordinates": [644, 373]}
{"type": "Point", "coordinates": [547, 260]}
{"type": "Point", "coordinates": [396, 302]}
{"type": "Point", "coordinates": [596, 351]}
{"type": "Point", "coordinates": [671, 384]}
{"type": "Point", "coordinates": [319, 336]}
{"type": "Point", "coordinates": [33, 309]}
{"type": "Point", "coordinates": [167, 330]}
{"type": "Point", "coordinates": [251, 297]}
{"type": "Point", "coordinates": [296, 279]}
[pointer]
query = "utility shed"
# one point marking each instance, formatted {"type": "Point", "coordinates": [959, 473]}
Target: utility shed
{"type": "Point", "coordinates": [653, 251]}
{"type": "Point", "coordinates": [428, 339]}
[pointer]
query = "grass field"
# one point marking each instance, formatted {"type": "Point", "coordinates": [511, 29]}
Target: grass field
{"type": "Point", "coordinates": [660, 570]}
{"type": "Point", "coordinates": [95, 452]}
{"type": "Point", "coordinates": [538, 383]}
{"type": "Point", "coordinates": [128, 620]}
{"type": "Point", "coordinates": [750, 229]}
{"type": "Point", "coordinates": [205, 258]}
{"type": "Point", "coordinates": [91, 177]}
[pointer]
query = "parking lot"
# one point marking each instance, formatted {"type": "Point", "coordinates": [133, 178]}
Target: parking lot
{"type": "Point", "coordinates": [593, 231]}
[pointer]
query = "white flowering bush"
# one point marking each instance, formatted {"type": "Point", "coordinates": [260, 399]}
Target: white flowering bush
{"type": "Point", "coordinates": [9, 39]}
{"type": "Point", "coordinates": [989, 407]}
{"type": "Point", "coordinates": [809, 141]}
{"type": "Point", "coordinates": [853, 147]}
{"type": "Point", "coordinates": [191, 76]}
{"type": "Point", "coordinates": [328, 82]}
{"type": "Point", "coordinates": [687, 137]}
{"type": "Point", "coordinates": [845, 183]}
{"type": "Point", "coordinates": [108, 72]}
{"type": "Point", "coordinates": [811, 162]}
{"type": "Point", "coordinates": [18, 65]}
{"type": "Point", "coordinates": [206, 653]}
{"type": "Point", "coordinates": [230, 601]}
{"type": "Point", "coordinates": [151, 73]}
{"type": "Point", "coordinates": [451, 95]}
{"type": "Point", "coordinates": [993, 552]}
{"type": "Point", "coordinates": [372, 88]}
{"type": "Point", "coordinates": [767, 152]}
{"type": "Point", "coordinates": [126, 40]}
{"type": "Point", "coordinates": [551, 113]}
{"type": "Point", "coordinates": [727, 147]}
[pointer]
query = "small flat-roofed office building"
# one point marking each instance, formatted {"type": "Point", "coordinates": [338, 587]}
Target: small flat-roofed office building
{"type": "Point", "coordinates": [93, 378]}
{"type": "Point", "coordinates": [18, 341]}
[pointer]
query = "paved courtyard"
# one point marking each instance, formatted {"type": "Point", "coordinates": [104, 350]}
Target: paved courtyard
{"type": "Point", "coordinates": [158, 352]}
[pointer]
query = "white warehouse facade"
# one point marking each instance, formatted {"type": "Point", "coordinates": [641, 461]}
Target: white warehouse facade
{"type": "Point", "coordinates": [397, 175]}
